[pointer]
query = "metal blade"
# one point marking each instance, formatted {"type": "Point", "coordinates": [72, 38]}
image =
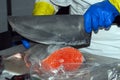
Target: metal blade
{"type": "Point", "coordinates": [57, 29]}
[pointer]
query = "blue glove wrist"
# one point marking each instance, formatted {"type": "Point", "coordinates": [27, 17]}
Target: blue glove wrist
{"type": "Point", "coordinates": [111, 7]}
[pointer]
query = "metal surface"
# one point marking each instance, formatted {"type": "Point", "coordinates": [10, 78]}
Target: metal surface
{"type": "Point", "coordinates": [57, 29]}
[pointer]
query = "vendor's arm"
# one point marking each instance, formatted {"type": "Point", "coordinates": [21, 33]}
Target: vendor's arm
{"type": "Point", "coordinates": [44, 7]}
{"type": "Point", "coordinates": [101, 15]}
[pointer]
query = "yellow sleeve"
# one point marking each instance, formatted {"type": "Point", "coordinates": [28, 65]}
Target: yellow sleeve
{"type": "Point", "coordinates": [116, 3]}
{"type": "Point", "coordinates": [43, 8]}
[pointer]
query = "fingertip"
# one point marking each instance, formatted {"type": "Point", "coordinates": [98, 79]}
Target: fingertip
{"type": "Point", "coordinates": [108, 23]}
{"type": "Point", "coordinates": [88, 30]}
{"type": "Point", "coordinates": [26, 44]}
{"type": "Point", "coordinates": [95, 25]}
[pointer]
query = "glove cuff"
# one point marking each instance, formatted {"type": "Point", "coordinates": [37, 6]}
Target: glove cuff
{"type": "Point", "coordinates": [43, 8]}
{"type": "Point", "coordinates": [116, 3]}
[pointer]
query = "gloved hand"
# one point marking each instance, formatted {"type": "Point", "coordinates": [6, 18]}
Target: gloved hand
{"type": "Point", "coordinates": [99, 15]}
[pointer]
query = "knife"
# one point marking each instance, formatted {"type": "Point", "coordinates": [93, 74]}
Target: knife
{"type": "Point", "coordinates": [52, 29]}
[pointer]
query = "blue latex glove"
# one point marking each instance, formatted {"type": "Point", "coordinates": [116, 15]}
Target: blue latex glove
{"type": "Point", "coordinates": [99, 15]}
{"type": "Point", "coordinates": [26, 43]}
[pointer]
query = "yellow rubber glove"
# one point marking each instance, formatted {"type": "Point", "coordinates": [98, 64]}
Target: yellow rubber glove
{"type": "Point", "coordinates": [116, 3]}
{"type": "Point", "coordinates": [43, 8]}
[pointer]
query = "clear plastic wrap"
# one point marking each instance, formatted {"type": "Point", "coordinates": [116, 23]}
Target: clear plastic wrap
{"type": "Point", "coordinates": [86, 72]}
{"type": "Point", "coordinates": [60, 74]}
{"type": "Point", "coordinates": [102, 68]}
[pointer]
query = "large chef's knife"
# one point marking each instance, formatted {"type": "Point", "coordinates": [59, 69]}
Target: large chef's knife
{"type": "Point", "coordinates": [55, 29]}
